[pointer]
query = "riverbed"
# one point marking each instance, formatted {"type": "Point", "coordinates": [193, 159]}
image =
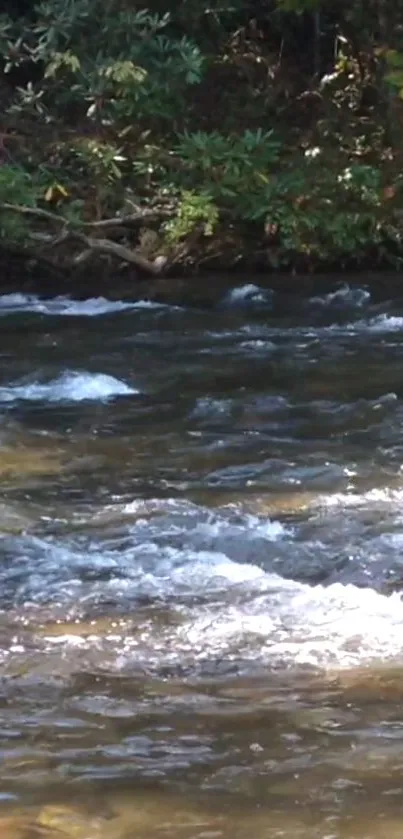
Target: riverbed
{"type": "Point", "coordinates": [201, 567]}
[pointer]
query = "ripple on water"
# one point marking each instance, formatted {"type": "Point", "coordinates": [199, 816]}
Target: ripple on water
{"type": "Point", "coordinates": [66, 306]}
{"type": "Point", "coordinates": [230, 649]}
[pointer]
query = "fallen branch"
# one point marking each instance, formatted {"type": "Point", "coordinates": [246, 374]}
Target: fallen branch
{"type": "Point", "coordinates": [123, 253]}
{"type": "Point", "coordinates": [92, 244]}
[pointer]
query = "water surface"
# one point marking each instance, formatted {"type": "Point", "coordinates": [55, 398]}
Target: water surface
{"type": "Point", "coordinates": [201, 533]}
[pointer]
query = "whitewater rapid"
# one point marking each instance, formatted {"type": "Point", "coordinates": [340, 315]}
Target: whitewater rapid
{"type": "Point", "coordinates": [242, 406]}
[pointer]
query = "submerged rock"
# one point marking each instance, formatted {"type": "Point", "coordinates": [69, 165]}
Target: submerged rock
{"type": "Point", "coordinates": [15, 827]}
{"type": "Point", "coordinates": [70, 823]}
{"type": "Point", "coordinates": [285, 503]}
{"type": "Point", "coordinates": [383, 683]}
{"type": "Point", "coordinates": [25, 462]}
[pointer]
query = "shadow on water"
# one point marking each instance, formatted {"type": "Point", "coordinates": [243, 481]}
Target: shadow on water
{"type": "Point", "coordinates": [201, 532]}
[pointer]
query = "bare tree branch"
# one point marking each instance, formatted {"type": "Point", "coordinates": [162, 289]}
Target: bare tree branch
{"type": "Point", "coordinates": [52, 241]}
{"type": "Point", "coordinates": [140, 217]}
{"type": "Point", "coordinates": [34, 211]}
{"type": "Point", "coordinates": [92, 244]}
{"type": "Point", "coordinates": [121, 252]}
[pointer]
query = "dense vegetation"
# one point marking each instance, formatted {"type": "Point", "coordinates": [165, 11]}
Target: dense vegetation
{"type": "Point", "coordinates": [267, 131]}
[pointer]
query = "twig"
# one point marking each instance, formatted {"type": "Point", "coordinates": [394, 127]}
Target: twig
{"type": "Point", "coordinates": [126, 221]}
{"type": "Point", "coordinates": [34, 211]}
{"type": "Point", "coordinates": [53, 241]}
{"type": "Point", "coordinates": [118, 221]}
{"type": "Point", "coordinates": [82, 257]}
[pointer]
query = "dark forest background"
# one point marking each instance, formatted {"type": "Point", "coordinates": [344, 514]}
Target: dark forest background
{"type": "Point", "coordinates": [201, 133]}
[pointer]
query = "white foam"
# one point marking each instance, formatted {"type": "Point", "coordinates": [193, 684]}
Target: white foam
{"type": "Point", "coordinates": [292, 623]}
{"type": "Point", "coordinates": [243, 612]}
{"type": "Point", "coordinates": [381, 323]}
{"type": "Point", "coordinates": [223, 609]}
{"type": "Point", "coordinates": [385, 323]}
{"type": "Point", "coordinates": [46, 571]}
{"type": "Point", "coordinates": [92, 307]}
{"type": "Point", "coordinates": [266, 619]}
{"type": "Point", "coordinates": [258, 346]}
{"type": "Point", "coordinates": [172, 572]}
{"type": "Point", "coordinates": [210, 570]}
{"type": "Point", "coordinates": [68, 387]}
{"type": "Point", "coordinates": [345, 295]}
{"type": "Point", "coordinates": [152, 304]}
{"type": "Point", "coordinates": [252, 527]}
{"type": "Point", "coordinates": [384, 496]}
{"type": "Point", "coordinates": [12, 302]}
{"type": "Point", "coordinates": [248, 293]}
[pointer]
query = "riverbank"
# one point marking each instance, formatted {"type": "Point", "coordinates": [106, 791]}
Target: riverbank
{"type": "Point", "coordinates": [165, 146]}
{"type": "Point", "coordinates": [22, 274]}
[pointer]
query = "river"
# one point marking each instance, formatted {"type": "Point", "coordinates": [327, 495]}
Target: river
{"type": "Point", "coordinates": [201, 565]}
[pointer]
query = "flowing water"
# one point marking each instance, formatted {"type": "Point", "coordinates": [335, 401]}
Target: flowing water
{"type": "Point", "coordinates": [201, 564]}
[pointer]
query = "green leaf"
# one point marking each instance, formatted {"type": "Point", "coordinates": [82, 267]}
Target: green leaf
{"type": "Point", "coordinates": [394, 58]}
{"type": "Point", "coordinates": [395, 78]}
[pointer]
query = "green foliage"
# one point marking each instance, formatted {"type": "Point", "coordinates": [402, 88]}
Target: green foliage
{"type": "Point", "coordinates": [101, 160]}
{"type": "Point", "coordinates": [394, 74]}
{"type": "Point", "coordinates": [17, 186]}
{"type": "Point", "coordinates": [122, 68]}
{"type": "Point", "coordinates": [196, 211]}
{"type": "Point", "coordinates": [229, 166]}
{"type": "Point", "coordinates": [62, 60]}
{"type": "Point", "coordinates": [325, 213]}
{"type": "Point", "coordinates": [274, 117]}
